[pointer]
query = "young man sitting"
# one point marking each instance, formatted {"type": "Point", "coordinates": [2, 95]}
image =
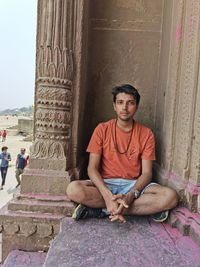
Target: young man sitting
{"type": "Point", "coordinates": [120, 168]}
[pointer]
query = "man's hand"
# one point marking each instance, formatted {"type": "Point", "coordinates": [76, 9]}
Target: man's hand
{"type": "Point", "coordinates": [117, 217]}
{"type": "Point", "coordinates": [111, 205]}
{"type": "Point", "coordinates": [124, 201]}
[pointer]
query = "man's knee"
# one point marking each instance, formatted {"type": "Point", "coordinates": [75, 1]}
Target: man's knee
{"type": "Point", "coordinates": [170, 198]}
{"type": "Point", "coordinates": [75, 191]}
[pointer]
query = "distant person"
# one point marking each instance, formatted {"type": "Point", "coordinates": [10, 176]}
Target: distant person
{"type": "Point", "coordinates": [21, 162]}
{"type": "Point", "coordinates": [4, 134]}
{"type": "Point", "coordinates": [5, 158]}
{"type": "Point", "coordinates": [0, 134]}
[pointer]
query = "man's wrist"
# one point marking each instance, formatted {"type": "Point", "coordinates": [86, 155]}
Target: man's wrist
{"type": "Point", "coordinates": [135, 193]}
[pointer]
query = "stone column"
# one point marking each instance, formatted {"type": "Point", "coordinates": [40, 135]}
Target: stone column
{"type": "Point", "coordinates": [54, 80]}
{"type": "Point", "coordinates": [50, 168]}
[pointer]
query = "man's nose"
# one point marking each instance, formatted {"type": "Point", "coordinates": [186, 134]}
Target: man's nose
{"type": "Point", "coordinates": [125, 106]}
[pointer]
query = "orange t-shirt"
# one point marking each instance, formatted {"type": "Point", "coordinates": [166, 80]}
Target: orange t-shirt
{"type": "Point", "coordinates": [114, 164]}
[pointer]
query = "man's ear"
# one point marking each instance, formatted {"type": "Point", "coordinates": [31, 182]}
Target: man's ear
{"type": "Point", "coordinates": [114, 106]}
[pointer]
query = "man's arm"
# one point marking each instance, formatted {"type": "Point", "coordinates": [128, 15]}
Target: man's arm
{"type": "Point", "coordinates": [145, 177]}
{"type": "Point", "coordinates": [17, 160]}
{"type": "Point", "coordinates": [95, 176]}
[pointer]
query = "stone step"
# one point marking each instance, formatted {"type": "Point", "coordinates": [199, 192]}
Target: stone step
{"type": "Point", "coordinates": [44, 197]}
{"type": "Point", "coordinates": [28, 231]}
{"type": "Point", "coordinates": [17, 258]}
{"type": "Point", "coordinates": [138, 242]}
{"type": "Point", "coordinates": [41, 206]}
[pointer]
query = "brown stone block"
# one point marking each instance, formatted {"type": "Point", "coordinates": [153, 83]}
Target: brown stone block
{"type": "Point", "coordinates": [44, 230]}
{"type": "Point", "coordinates": [48, 164]}
{"type": "Point", "coordinates": [56, 229]}
{"type": "Point", "coordinates": [45, 182]}
{"type": "Point", "coordinates": [33, 243]}
{"type": "Point", "coordinates": [27, 229]}
{"type": "Point", "coordinates": [11, 228]}
{"type": "Point", "coordinates": [17, 226]}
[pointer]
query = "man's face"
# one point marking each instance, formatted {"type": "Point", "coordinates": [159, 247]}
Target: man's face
{"type": "Point", "coordinates": [22, 151]}
{"type": "Point", "coordinates": [125, 106]}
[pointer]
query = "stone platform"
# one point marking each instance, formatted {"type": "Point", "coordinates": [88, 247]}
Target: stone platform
{"type": "Point", "coordinates": [138, 242]}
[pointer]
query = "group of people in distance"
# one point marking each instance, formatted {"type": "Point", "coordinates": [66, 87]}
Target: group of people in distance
{"type": "Point", "coordinates": [3, 135]}
{"type": "Point", "coordinates": [21, 162]}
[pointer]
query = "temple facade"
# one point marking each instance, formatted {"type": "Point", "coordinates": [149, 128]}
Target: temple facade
{"type": "Point", "coordinates": [84, 49]}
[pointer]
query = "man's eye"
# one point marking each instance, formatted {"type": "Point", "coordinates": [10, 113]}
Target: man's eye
{"type": "Point", "coordinates": [132, 102]}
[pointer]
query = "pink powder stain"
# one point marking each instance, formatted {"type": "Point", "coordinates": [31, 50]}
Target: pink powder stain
{"type": "Point", "coordinates": [182, 183]}
{"type": "Point", "coordinates": [178, 33]}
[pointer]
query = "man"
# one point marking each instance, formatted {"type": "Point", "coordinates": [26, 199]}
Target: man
{"type": "Point", "coordinates": [120, 168]}
{"type": "Point", "coordinates": [5, 158]}
{"type": "Point", "coordinates": [21, 163]}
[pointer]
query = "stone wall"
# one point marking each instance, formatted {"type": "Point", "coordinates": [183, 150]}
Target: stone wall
{"type": "Point", "coordinates": [178, 110]}
{"type": "Point", "coordinates": [25, 126]}
{"type": "Point", "coordinates": [124, 47]}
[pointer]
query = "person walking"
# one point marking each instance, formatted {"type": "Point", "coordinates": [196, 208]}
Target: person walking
{"type": "Point", "coordinates": [21, 162]}
{"type": "Point", "coordinates": [5, 158]}
{"type": "Point", "coordinates": [4, 134]}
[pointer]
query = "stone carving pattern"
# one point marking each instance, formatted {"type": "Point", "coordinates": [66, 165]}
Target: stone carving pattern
{"type": "Point", "coordinates": [54, 77]}
{"type": "Point", "coordinates": [52, 120]}
{"type": "Point", "coordinates": [42, 230]}
{"type": "Point", "coordinates": [187, 88]}
{"type": "Point", "coordinates": [55, 65]}
{"type": "Point", "coordinates": [173, 86]}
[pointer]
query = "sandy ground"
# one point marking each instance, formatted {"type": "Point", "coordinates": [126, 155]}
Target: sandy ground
{"type": "Point", "coordinates": [14, 142]}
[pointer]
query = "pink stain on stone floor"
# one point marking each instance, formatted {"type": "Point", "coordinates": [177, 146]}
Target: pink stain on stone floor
{"type": "Point", "coordinates": [178, 33]}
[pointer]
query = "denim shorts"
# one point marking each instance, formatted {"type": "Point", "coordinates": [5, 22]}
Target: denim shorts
{"type": "Point", "coordinates": [123, 186]}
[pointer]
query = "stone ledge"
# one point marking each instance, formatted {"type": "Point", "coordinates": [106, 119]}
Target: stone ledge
{"type": "Point", "coordinates": [187, 222]}
{"type": "Point", "coordinates": [43, 197]}
{"type": "Point", "coordinates": [34, 205]}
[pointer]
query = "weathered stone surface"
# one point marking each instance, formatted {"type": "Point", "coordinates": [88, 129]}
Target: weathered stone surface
{"type": "Point", "coordinates": [50, 182]}
{"type": "Point", "coordinates": [187, 222]}
{"type": "Point", "coordinates": [56, 229]}
{"type": "Point", "coordinates": [27, 229]}
{"type": "Point", "coordinates": [139, 242]}
{"type": "Point", "coordinates": [44, 230]}
{"type": "Point", "coordinates": [11, 228]}
{"type": "Point", "coordinates": [18, 258]}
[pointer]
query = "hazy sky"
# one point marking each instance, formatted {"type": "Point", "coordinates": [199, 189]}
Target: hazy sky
{"type": "Point", "coordinates": [17, 52]}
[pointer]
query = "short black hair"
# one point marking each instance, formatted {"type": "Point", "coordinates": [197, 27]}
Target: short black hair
{"type": "Point", "coordinates": [4, 148]}
{"type": "Point", "coordinates": [128, 89]}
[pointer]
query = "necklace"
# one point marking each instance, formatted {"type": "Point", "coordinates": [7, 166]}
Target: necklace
{"type": "Point", "coordinates": [114, 136]}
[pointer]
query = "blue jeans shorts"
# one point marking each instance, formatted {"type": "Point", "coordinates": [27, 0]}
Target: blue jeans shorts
{"type": "Point", "coordinates": [123, 186]}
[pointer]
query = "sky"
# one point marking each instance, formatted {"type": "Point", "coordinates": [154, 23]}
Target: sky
{"type": "Point", "coordinates": [17, 53]}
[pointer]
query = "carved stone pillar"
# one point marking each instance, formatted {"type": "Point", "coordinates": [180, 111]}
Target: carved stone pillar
{"type": "Point", "coordinates": [54, 80]}
{"type": "Point", "coordinates": [58, 39]}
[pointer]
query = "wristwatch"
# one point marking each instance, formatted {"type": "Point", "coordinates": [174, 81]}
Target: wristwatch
{"type": "Point", "coordinates": [136, 193]}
